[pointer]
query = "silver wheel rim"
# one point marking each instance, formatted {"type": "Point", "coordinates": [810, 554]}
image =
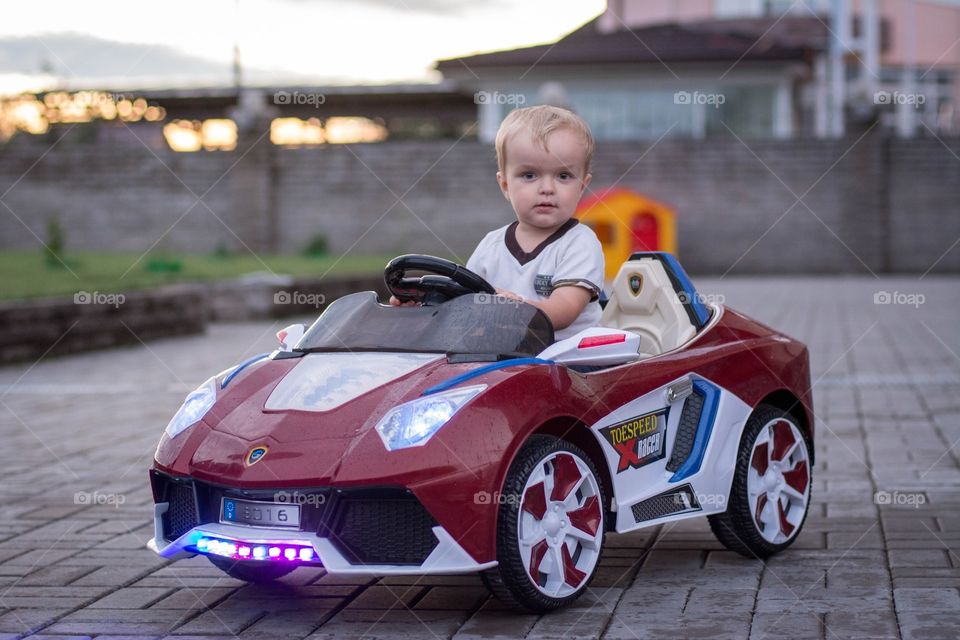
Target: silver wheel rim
{"type": "Point", "coordinates": [560, 524]}
{"type": "Point", "coordinates": [778, 481]}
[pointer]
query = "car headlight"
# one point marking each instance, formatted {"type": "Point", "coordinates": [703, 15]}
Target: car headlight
{"type": "Point", "coordinates": [194, 407]}
{"type": "Point", "coordinates": [413, 423]}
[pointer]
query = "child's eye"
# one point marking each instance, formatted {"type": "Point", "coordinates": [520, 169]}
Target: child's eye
{"type": "Point", "coordinates": [565, 176]}
{"type": "Point", "coordinates": [527, 175]}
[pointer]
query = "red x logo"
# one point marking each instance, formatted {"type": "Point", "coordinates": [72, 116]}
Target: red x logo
{"type": "Point", "coordinates": [628, 454]}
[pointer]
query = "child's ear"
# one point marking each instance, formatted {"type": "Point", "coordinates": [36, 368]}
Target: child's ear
{"type": "Point", "coordinates": [586, 182]}
{"type": "Point", "coordinates": [503, 184]}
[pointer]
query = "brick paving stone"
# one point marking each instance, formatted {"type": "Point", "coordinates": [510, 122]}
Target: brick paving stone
{"type": "Point", "coordinates": [229, 620]}
{"type": "Point", "coordinates": [465, 598]}
{"type": "Point", "coordinates": [746, 578]}
{"type": "Point", "coordinates": [288, 624]}
{"type": "Point", "coordinates": [117, 621]}
{"type": "Point", "coordinates": [825, 600]}
{"type": "Point", "coordinates": [20, 620]}
{"type": "Point", "coordinates": [792, 626]}
{"type": "Point", "coordinates": [864, 623]}
{"type": "Point", "coordinates": [641, 594]}
{"type": "Point", "coordinates": [397, 623]}
{"type": "Point", "coordinates": [193, 598]}
{"type": "Point", "coordinates": [386, 598]}
{"type": "Point", "coordinates": [923, 577]}
{"type": "Point", "coordinates": [131, 598]}
{"type": "Point", "coordinates": [940, 625]}
{"type": "Point", "coordinates": [712, 601]}
{"type": "Point", "coordinates": [112, 576]}
{"type": "Point", "coordinates": [887, 413]}
{"type": "Point", "coordinates": [198, 637]}
{"type": "Point", "coordinates": [650, 623]}
{"type": "Point", "coordinates": [614, 577]}
{"type": "Point", "coordinates": [932, 599]}
{"type": "Point", "coordinates": [586, 622]}
{"type": "Point", "coordinates": [493, 624]}
{"type": "Point", "coordinates": [919, 558]}
{"type": "Point", "coordinates": [60, 575]}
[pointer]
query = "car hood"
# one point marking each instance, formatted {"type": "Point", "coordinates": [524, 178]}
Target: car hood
{"type": "Point", "coordinates": [322, 395]}
{"type": "Point", "coordinates": [325, 381]}
{"type": "Point", "coordinates": [314, 416]}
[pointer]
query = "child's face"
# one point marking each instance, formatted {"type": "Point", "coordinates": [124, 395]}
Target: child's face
{"type": "Point", "coordinates": [544, 187]}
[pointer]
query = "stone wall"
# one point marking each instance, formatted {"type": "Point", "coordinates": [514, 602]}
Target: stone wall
{"type": "Point", "coordinates": [868, 203]}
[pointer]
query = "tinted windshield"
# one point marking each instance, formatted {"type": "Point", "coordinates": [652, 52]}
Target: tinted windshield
{"type": "Point", "coordinates": [476, 323]}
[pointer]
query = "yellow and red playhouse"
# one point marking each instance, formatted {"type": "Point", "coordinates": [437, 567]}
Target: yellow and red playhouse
{"type": "Point", "coordinates": [626, 222]}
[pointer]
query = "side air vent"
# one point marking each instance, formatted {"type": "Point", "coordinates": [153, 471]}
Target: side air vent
{"type": "Point", "coordinates": [686, 431]}
{"type": "Point", "coordinates": [673, 502]}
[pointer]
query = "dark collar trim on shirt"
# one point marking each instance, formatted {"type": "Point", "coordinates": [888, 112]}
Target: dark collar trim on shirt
{"type": "Point", "coordinates": [510, 237]}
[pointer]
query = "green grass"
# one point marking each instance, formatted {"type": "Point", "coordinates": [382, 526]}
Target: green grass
{"type": "Point", "coordinates": [26, 274]}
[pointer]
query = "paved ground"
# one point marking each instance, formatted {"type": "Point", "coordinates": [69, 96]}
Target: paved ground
{"type": "Point", "coordinates": [79, 433]}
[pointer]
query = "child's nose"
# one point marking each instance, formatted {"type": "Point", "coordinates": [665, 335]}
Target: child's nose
{"type": "Point", "coordinates": [546, 185]}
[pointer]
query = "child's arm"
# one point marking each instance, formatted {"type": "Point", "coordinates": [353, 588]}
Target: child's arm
{"type": "Point", "coordinates": [563, 306]}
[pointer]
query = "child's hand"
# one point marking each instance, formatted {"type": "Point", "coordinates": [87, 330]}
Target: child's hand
{"type": "Point", "coordinates": [394, 302]}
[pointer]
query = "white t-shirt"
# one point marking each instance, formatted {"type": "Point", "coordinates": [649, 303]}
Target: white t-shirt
{"type": "Point", "coordinates": [571, 256]}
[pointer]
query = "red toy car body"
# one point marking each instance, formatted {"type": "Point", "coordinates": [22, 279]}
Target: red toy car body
{"type": "Point", "coordinates": [538, 452]}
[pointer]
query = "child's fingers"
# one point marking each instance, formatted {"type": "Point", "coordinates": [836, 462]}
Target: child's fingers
{"type": "Point", "coordinates": [396, 303]}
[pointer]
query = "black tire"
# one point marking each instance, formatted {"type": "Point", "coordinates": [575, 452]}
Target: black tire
{"type": "Point", "coordinates": [737, 528]}
{"type": "Point", "coordinates": [251, 570]}
{"type": "Point", "coordinates": [509, 580]}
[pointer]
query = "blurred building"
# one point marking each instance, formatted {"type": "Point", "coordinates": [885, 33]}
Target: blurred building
{"type": "Point", "coordinates": [643, 69]}
{"type": "Point", "coordinates": [761, 68]}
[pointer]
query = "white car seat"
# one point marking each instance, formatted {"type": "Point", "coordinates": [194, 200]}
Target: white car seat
{"type": "Point", "coordinates": [643, 301]}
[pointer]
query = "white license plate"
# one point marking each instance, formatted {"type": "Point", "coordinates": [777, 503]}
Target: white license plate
{"type": "Point", "coordinates": [259, 514]}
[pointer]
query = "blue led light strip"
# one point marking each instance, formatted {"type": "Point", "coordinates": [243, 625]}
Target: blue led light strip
{"type": "Point", "coordinates": [240, 367]}
{"type": "Point", "coordinates": [479, 371]}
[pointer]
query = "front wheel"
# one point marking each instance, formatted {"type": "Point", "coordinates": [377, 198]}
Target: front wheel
{"type": "Point", "coordinates": [251, 570]}
{"type": "Point", "coordinates": [770, 495]}
{"type": "Point", "coordinates": [550, 527]}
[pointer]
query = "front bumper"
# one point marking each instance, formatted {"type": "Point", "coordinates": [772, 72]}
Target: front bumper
{"type": "Point", "coordinates": [370, 531]}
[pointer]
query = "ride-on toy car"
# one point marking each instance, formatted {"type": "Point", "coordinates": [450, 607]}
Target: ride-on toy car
{"type": "Point", "coordinates": [457, 436]}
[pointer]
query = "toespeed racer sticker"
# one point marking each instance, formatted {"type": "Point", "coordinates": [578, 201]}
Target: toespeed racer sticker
{"type": "Point", "coordinates": [640, 440]}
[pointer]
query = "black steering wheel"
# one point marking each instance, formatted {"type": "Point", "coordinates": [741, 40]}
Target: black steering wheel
{"type": "Point", "coordinates": [444, 280]}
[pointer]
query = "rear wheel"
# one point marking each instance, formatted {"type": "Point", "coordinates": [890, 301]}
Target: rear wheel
{"type": "Point", "coordinates": [550, 527]}
{"type": "Point", "coordinates": [770, 495]}
{"type": "Point", "coordinates": [251, 570]}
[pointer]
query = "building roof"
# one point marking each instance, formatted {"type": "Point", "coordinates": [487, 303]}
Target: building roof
{"type": "Point", "coordinates": [789, 38]}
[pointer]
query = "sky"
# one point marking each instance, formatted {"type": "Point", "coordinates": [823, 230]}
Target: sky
{"type": "Point", "coordinates": [119, 45]}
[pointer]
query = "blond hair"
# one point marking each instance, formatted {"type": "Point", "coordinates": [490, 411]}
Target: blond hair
{"type": "Point", "coordinates": [541, 121]}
